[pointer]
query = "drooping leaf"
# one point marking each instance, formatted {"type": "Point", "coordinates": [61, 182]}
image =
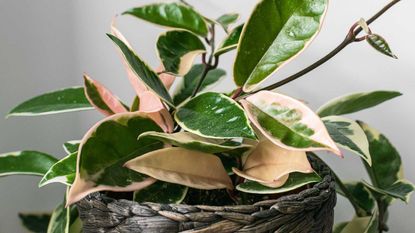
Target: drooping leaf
{"type": "Point", "coordinates": [178, 49]}
{"type": "Point", "coordinates": [348, 135]}
{"type": "Point", "coordinates": [173, 15]}
{"type": "Point", "coordinates": [275, 33]}
{"type": "Point", "coordinates": [25, 163]}
{"type": "Point", "coordinates": [161, 192]}
{"type": "Point", "coordinates": [288, 122]}
{"type": "Point", "coordinates": [191, 79]}
{"type": "Point", "coordinates": [194, 142]}
{"type": "Point", "coordinates": [185, 167]}
{"type": "Point", "coordinates": [36, 223]}
{"type": "Point", "coordinates": [355, 102]}
{"type": "Point", "coordinates": [60, 101]}
{"type": "Point", "coordinates": [71, 147]}
{"type": "Point", "coordinates": [143, 71]}
{"type": "Point", "coordinates": [367, 224]}
{"type": "Point", "coordinates": [63, 171]}
{"type": "Point", "coordinates": [295, 180]}
{"type": "Point", "coordinates": [102, 98]}
{"type": "Point", "coordinates": [402, 189]}
{"type": "Point", "coordinates": [105, 148]}
{"type": "Point", "coordinates": [380, 44]}
{"type": "Point", "coordinates": [271, 165]}
{"type": "Point", "coordinates": [361, 196]}
{"type": "Point", "coordinates": [230, 42]}
{"type": "Point", "coordinates": [214, 115]}
{"type": "Point", "coordinates": [227, 19]}
{"type": "Point", "coordinates": [386, 166]}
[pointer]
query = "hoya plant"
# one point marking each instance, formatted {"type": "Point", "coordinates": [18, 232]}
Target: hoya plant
{"type": "Point", "coordinates": [189, 144]}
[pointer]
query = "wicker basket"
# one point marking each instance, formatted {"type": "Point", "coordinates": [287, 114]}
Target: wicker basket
{"type": "Point", "coordinates": [311, 210]}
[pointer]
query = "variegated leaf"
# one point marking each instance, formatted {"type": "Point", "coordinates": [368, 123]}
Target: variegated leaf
{"type": "Point", "coordinates": [230, 42]}
{"type": "Point", "coordinates": [348, 135]}
{"type": "Point", "coordinates": [380, 44]}
{"type": "Point", "coordinates": [271, 165]}
{"type": "Point", "coordinates": [178, 49]}
{"type": "Point", "coordinates": [288, 123]}
{"type": "Point", "coordinates": [161, 192]}
{"type": "Point", "coordinates": [194, 142]}
{"type": "Point", "coordinates": [181, 166]}
{"type": "Point", "coordinates": [25, 163]}
{"type": "Point", "coordinates": [104, 150]}
{"type": "Point", "coordinates": [402, 189]}
{"type": "Point", "coordinates": [368, 224]}
{"type": "Point", "coordinates": [102, 98]}
{"type": "Point", "coordinates": [71, 147]}
{"type": "Point", "coordinates": [63, 171]}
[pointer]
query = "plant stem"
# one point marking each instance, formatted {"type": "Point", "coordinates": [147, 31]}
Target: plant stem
{"type": "Point", "coordinates": [350, 38]}
{"type": "Point", "coordinates": [209, 65]}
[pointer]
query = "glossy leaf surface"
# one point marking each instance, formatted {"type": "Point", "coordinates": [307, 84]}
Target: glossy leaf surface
{"type": "Point", "coordinates": [102, 98]}
{"type": "Point", "coordinates": [71, 147]}
{"type": "Point", "coordinates": [227, 19]}
{"type": "Point", "coordinates": [181, 166]}
{"type": "Point", "coordinates": [194, 142]}
{"type": "Point", "coordinates": [288, 122]}
{"type": "Point", "coordinates": [230, 42]}
{"type": "Point", "coordinates": [214, 115]}
{"type": "Point", "coordinates": [271, 165]}
{"type": "Point", "coordinates": [61, 172]}
{"type": "Point", "coordinates": [402, 189]}
{"type": "Point", "coordinates": [35, 223]}
{"type": "Point", "coordinates": [173, 15]}
{"type": "Point", "coordinates": [143, 71]}
{"type": "Point", "coordinates": [355, 102]}
{"type": "Point", "coordinates": [295, 180]}
{"type": "Point", "coordinates": [190, 80]}
{"type": "Point", "coordinates": [60, 101]}
{"type": "Point", "coordinates": [161, 192]}
{"type": "Point", "coordinates": [276, 31]}
{"type": "Point", "coordinates": [386, 166]}
{"type": "Point", "coordinates": [380, 44]}
{"type": "Point", "coordinates": [104, 150]}
{"type": "Point", "coordinates": [25, 163]}
{"type": "Point", "coordinates": [178, 49]}
{"type": "Point", "coordinates": [348, 135]}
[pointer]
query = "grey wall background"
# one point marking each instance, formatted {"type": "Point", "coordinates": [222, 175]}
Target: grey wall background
{"type": "Point", "coordinates": [45, 45]}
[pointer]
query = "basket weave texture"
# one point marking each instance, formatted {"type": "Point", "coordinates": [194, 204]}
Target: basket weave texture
{"type": "Point", "coordinates": [310, 211]}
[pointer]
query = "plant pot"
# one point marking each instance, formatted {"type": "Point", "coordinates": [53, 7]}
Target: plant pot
{"type": "Point", "coordinates": [311, 210]}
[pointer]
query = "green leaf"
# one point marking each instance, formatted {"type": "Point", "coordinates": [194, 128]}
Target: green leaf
{"type": "Point", "coordinates": [361, 195]}
{"type": "Point", "coordinates": [230, 42]}
{"type": "Point", "coordinates": [146, 74]}
{"type": "Point", "coordinates": [191, 79]}
{"type": "Point", "coordinates": [295, 180]}
{"type": "Point", "coordinates": [161, 192]}
{"type": "Point", "coordinates": [104, 150]}
{"type": "Point", "coordinates": [25, 163]}
{"type": "Point", "coordinates": [355, 102]}
{"type": "Point", "coordinates": [102, 98]}
{"type": "Point", "coordinates": [288, 122]}
{"type": "Point", "coordinates": [194, 142]}
{"type": "Point", "coordinates": [367, 224]}
{"type": "Point", "coordinates": [348, 135]}
{"type": "Point", "coordinates": [339, 227]}
{"type": "Point", "coordinates": [214, 115]}
{"type": "Point", "coordinates": [36, 223]}
{"type": "Point", "coordinates": [173, 15]}
{"type": "Point", "coordinates": [61, 172]}
{"type": "Point", "coordinates": [386, 166]}
{"type": "Point", "coordinates": [227, 19]}
{"type": "Point", "coordinates": [71, 147]}
{"type": "Point", "coordinates": [63, 100]}
{"type": "Point", "coordinates": [275, 33]}
{"type": "Point", "coordinates": [62, 218]}
{"type": "Point", "coordinates": [380, 44]}
{"type": "Point", "coordinates": [178, 49]}
{"type": "Point", "coordinates": [402, 189]}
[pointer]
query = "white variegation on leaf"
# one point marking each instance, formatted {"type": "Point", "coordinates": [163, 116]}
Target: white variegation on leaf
{"type": "Point", "coordinates": [61, 172]}
{"type": "Point", "coordinates": [271, 165]}
{"type": "Point", "coordinates": [102, 98]}
{"type": "Point", "coordinates": [181, 166]}
{"type": "Point", "coordinates": [288, 122]}
{"type": "Point", "coordinates": [112, 142]}
{"type": "Point", "coordinates": [348, 135]}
